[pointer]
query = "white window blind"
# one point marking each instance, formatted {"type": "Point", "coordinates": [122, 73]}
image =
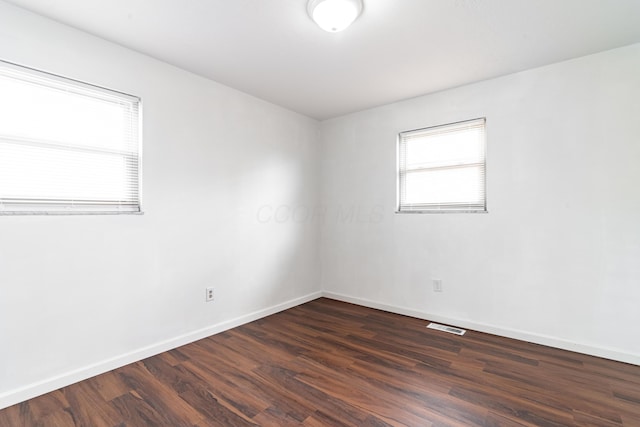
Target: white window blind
{"type": "Point", "coordinates": [442, 168]}
{"type": "Point", "coordinates": [66, 146]}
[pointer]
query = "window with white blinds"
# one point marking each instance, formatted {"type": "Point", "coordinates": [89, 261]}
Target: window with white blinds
{"type": "Point", "coordinates": [442, 168]}
{"type": "Point", "coordinates": [66, 146]}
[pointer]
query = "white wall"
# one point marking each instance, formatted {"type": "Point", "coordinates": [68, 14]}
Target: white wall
{"type": "Point", "coordinates": [230, 200]}
{"type": "Point", "coordinates": [557, 258]}
{"type": "Point", "coordinates": [81, 294]}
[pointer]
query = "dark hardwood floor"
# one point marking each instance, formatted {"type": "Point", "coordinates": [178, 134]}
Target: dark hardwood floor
{"type": "Point", "coordinates": [328, 363]}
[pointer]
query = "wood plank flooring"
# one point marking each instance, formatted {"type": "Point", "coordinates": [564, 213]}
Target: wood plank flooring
{"type": "Point", "coordinates": [327, 363]}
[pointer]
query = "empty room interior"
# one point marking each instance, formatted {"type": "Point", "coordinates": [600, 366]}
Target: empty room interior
{"type": "Point", "coordinates": [319, 213]}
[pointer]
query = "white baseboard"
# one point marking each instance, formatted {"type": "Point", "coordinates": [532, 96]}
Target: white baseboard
{"type": "Point", "coordinates": [550, 341]}
{"type": "Point", "coordinates": [36, 389]}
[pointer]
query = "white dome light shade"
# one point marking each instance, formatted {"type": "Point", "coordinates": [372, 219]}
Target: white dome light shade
{"type": "Point", "coordinates": [334, 15]}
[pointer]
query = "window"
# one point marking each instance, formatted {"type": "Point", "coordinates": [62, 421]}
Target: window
{"type": "Point", "coordinates": [66, 146]}
{"type": "Point", "coordinates": [442, 168]}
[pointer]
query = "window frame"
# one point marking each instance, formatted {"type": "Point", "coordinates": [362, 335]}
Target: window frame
{"type": "Point", "coordinates": [69, 206]}
{"type": "Point", "coordinates": [427, 210]}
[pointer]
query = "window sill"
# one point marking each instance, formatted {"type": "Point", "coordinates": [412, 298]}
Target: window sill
{"type": "Point", "coordinates": [443, 212]}
{"type": "Point", "coordinates": [35, 213]}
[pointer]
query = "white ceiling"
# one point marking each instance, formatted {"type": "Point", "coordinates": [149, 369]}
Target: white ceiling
{"type": "Point", "coordinates": [397, 49]}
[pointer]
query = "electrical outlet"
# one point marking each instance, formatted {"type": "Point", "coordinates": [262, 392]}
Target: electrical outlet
{"type": "Point", "coordinates": [437, 285]}
{"type": "Point", "coordinates": [209, 294]}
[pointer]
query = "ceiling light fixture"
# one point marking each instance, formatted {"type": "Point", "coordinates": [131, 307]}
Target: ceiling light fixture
{"type": "Point", "coordinates": [334, 15]}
